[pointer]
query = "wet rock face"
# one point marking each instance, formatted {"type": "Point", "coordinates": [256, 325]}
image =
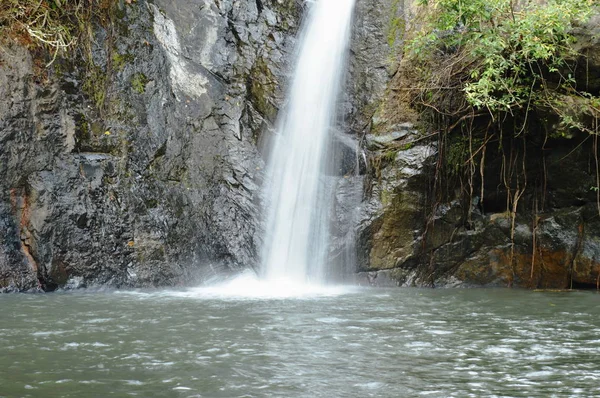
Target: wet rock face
{"type": "Point", "coordinates": [140, 165]}
{"type": "Point", "coordinates": [554, 243]}
{"type": "Point", "coordinates": [377, 39]}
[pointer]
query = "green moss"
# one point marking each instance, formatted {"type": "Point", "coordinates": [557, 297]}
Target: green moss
{"type": "Point", "coordinates": [287, 10]}
{"type": "Point", "coordinates": [120, 60]}
{"type": "Point", "coordinates": [82, 131]}
{"type": "Point", "coordinates": [262, 87]}
{"type": "Point", "coordinates": [396, 25]}
{"type": "Point", "coordinates": [55, 25]}
{"type": "Point", "coordinates": [138, 83]}
{"type": "Point", "coordinates": [395, 30]}
{"type": "Point", "coordinates": [59, 70]}
{"type": "Point", "coordinates": [389, 156]}
{"type": "Point", "coordinates": [97, 129]}
{"type": "Point", "coordinates": [407, 146]}
{"type": "Point", "coordinates": [94, 85]}
{"type": "Point", "coordinates": [119, 11]}
{"type": "Point", "coordinates": [386, 197]}
{"type": "Point", "coordinates": [379, 121]}
{"type": "Point", "coordinates": [457, 152]}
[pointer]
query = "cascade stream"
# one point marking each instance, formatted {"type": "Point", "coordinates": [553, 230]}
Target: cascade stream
{"type": "Point", "coordinates": [298, 205]}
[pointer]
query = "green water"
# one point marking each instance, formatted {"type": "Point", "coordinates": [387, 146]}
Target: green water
{"type": "Point", "coordinates": [348, 343]}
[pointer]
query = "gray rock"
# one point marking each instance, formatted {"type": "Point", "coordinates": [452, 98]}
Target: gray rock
{"type": "Point", "coordinates": [158, 184]}
{"type": "Point", "coordinates": [381, 141]}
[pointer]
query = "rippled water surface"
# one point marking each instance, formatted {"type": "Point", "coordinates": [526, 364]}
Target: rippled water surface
{"type": "Point", "coordinates": [325, 343]}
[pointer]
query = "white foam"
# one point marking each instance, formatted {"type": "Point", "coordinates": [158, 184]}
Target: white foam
{"type": "Point", "coordinates": [50, 333]}
{"type": "Point", "coordinates": [248, 286]}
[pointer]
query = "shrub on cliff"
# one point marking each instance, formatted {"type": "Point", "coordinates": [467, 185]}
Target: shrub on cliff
{"type": "Point", "coordinates": [56, 25]}
{"type": "Point", "coordinates": [509, 57]}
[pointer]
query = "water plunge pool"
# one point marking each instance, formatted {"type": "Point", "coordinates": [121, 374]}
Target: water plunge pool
{"type": "Point", "coordinates": [334, 342]}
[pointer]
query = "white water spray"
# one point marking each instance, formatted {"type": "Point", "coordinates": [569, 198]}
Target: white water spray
{"type": "Point", "coordinates": [298, 207]}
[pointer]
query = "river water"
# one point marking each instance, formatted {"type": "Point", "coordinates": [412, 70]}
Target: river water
{"type": "Point", "coordinates": [336, 342]}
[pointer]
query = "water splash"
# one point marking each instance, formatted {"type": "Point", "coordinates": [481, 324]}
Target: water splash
{"type": "Point", "coordinates": [247, 286]}
{"type": "Point", "coordinates": [298, 206]}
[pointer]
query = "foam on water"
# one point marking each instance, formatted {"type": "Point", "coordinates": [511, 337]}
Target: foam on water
{"type": "Point", "coordinates": [249, 286]}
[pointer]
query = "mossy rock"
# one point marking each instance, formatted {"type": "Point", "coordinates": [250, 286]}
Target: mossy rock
{"type": "Point", "coordinates": [262, 86]}
{"type": "Point", "coordinates": [138, 83]}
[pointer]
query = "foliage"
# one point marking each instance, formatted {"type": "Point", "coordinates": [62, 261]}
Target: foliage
{"type": "Point", "coordinates": [55, 25]}
{"type": "Point", "coordinates": [514, 51]}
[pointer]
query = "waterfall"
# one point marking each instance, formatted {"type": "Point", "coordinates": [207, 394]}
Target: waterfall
{"type": "Point", "coordinates": [297, 202]}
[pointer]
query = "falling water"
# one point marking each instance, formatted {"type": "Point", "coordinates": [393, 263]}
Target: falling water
{"type": "Point", "coordinates": [298, 205]}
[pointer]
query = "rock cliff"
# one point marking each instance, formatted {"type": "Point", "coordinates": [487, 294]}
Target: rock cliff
{"type": "Point", "coordinates": [139, 164]}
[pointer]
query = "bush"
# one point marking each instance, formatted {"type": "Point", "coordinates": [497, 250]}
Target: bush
{"type": "Point", "coordinates": [55, 25]}
{"type": "Point", "coordinates": [515, 57]}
